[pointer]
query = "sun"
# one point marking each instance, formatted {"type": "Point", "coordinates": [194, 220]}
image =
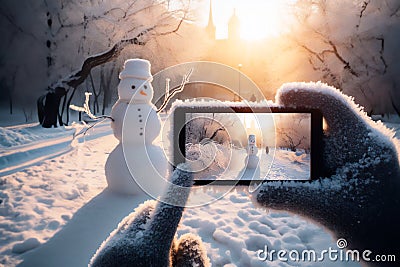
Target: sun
{"type": "Point", "coordinates": [259, 19]}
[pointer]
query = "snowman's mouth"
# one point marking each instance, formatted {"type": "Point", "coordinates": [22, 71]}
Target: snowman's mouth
{"type": "Point", "coordinates": [143, 93]}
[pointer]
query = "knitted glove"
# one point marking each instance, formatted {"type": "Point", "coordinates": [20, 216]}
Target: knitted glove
{"type": "Point", "coordinates": [358, 199]}
{"type": "Point", "coordinates": [146, 237]}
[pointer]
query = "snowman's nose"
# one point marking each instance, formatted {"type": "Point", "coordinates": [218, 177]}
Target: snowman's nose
{"type": "Point", "coordinates": [143, 93]}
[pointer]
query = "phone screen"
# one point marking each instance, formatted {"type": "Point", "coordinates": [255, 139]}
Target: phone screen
{"type": "Point", "coordinates": [249, 146]}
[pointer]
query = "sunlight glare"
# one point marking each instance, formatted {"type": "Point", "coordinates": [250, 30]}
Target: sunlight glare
{"type": "Point", "coordinates": [259, 19]}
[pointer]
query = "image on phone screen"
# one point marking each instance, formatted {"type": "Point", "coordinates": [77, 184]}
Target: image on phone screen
{"type": "Point", "coordinates": [248, 146]}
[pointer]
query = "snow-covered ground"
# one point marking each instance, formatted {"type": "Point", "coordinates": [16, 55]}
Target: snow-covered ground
{"type": "Point", "coordinates": [24, 145]}
{"type": "Point", "coordinates": [230, 164]}
{"type": "Point", "coordinates": [55, 211]}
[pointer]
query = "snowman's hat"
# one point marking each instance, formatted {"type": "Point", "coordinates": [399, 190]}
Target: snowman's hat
{"type": "Point", "coordinates": [252, 136]}
{"type": "Point", "coordinates": [136, 68]}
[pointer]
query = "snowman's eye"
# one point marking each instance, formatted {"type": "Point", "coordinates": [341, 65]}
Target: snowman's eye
{"type": "Point", "coordinates": [145, 87]}
{"type": "Point", "coordinates": [133, 87]}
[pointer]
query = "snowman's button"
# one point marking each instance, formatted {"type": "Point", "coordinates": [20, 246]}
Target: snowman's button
{"type": "Point", "coordinates": [140, 116]}
{"type": "Point", "coordinates": [140, 120]}
{"type": "Point", "coordinates": [138, 109]}
{"type": "Point", "coordinates": [140, 133]}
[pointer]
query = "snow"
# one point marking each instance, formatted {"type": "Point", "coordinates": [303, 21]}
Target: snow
{"type": "Point", "coordinates": [26, 245]}
{"type": "Point", "coordinates": [22, 145]}
{"type": "Point", "coordinates": [234, 229]}
{"type": "Point", "coordinates": [61, 203]}
{"type": "Point", "coordinates": [12, 136]}
{"type": "Point", "coordinates": [57, 210]}
{"type": "Point", "coordinates": [216, 162]}
{"type": "Point", "coordinates": [193, 103]}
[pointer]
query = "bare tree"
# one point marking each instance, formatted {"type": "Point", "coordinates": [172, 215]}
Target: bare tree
{"type": "Point", "coordinates": [208, 128]}
{"type": "Point", "coordinates": [149, 19]}
{"type": "Point", "coordinates": [346, 43]}
{"type": "Point", "coordinates": [8, 88]}
{"type": "Point", "coordinates": [105, 84]}
{"type": "Point", "coordinates": [292, 140]}
{"type": "Point", "coordinates": [293, 131]}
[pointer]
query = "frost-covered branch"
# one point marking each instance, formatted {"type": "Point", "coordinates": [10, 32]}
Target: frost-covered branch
{"type": "Point", "coordinates": [381, 51]}
{"type": "Point", "coordinates": [363, 8]}
{"type": "Point", "coordinates": [79, 76]}
{"type": "Point", "coordinates": [341, 59]}
{"type": "Point", "coordinates": [395, 11]}
{"type": "Point", "coordinates": [216, 132]}
{"type": "Point", "coordinates": [86, 109]}
{"type": "Point", "coordinates": [124, 28]}
{"type": "Point", "coordinates": [334, 51]}
{"type": "Point", "coordinates": [170, 94]}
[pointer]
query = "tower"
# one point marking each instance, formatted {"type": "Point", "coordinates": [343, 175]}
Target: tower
{"type": "Point", "coordinates": [234, 27]}
{"type": "Point", "coordinates": [210, 26]}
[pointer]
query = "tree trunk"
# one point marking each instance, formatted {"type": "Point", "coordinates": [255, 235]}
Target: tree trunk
{"type": "Point", "coordinates": [105, 83]}
{"type": "Point", "coordinates": [40, 108]}
{"type": "Point", "coordinates": [51, 107]}
{"type": "Point", "coordinates": [10, 102]}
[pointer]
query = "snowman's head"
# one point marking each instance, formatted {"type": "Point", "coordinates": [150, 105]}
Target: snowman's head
{"type": "Point", "coordinates": [135, 90]}
{"type": "Point", "coordinates": [252, 139]}
{"type": "Point", "coordinates": [135, 84]}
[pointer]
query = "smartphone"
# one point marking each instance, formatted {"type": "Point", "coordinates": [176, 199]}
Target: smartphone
{"type": "Point", "coordinates": [238, 145]}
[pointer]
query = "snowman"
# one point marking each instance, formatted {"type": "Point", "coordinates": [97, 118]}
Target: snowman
{"type": "Point", "coordinates": [252, 150]}
{"type": "Point", "coordinates": [136, 165]}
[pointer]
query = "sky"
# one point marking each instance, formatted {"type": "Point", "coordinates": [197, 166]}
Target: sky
{"type": "Point", "coordinates": [258, 18]}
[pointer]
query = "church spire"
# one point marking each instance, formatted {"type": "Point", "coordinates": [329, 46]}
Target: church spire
{"type": "Point", "coordinates": [234, 27]}
{"type": "Point", "coordinates": [210, 26]}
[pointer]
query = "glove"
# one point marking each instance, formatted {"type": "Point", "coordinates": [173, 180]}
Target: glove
{"type": "Point", "coordinates": [358, 199]}
{"type": "Point", "coordinates": [146, 237]}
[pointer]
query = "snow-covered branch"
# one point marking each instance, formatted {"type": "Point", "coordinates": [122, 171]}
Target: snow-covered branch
{"type": "Point", "coordinates": [170, 94]}
{"type": "Point", "coordinates": [86, 109]}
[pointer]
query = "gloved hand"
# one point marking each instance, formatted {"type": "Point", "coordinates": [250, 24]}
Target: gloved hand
{"type": "Point", "coordinates": [359, 197]}
{"type": "Point", "coordinates": [146, 237]}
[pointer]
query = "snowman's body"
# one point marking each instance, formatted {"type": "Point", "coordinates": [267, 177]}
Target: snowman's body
{"type": "Point", "coordinates": [144, 126]}
{"type": "Point", "coordinates": [136, 165]}
{"type": "Point", "coordinates": [252, 151]}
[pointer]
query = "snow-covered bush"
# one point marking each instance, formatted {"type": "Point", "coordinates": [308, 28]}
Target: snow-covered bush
{"type": "Point", "coordinates": [209, 159]}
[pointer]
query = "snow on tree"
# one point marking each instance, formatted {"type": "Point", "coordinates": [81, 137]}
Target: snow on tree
{"type": "Point", "coordinates": [352, 45]}
{"type": "Point", "coordinates": [200, 129]}
{"type": "Point", "coordinates": [293, 131]}
{"type": "Point", "coordinates": [59, 35]}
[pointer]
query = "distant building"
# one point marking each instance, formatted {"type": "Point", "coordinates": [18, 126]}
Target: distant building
{"type": "Point", "coordinates": [211, 29]}
{"type": "Point", "coordinates": [226, 51]}
{"type": "Point", "coordinates": [234, 27]}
